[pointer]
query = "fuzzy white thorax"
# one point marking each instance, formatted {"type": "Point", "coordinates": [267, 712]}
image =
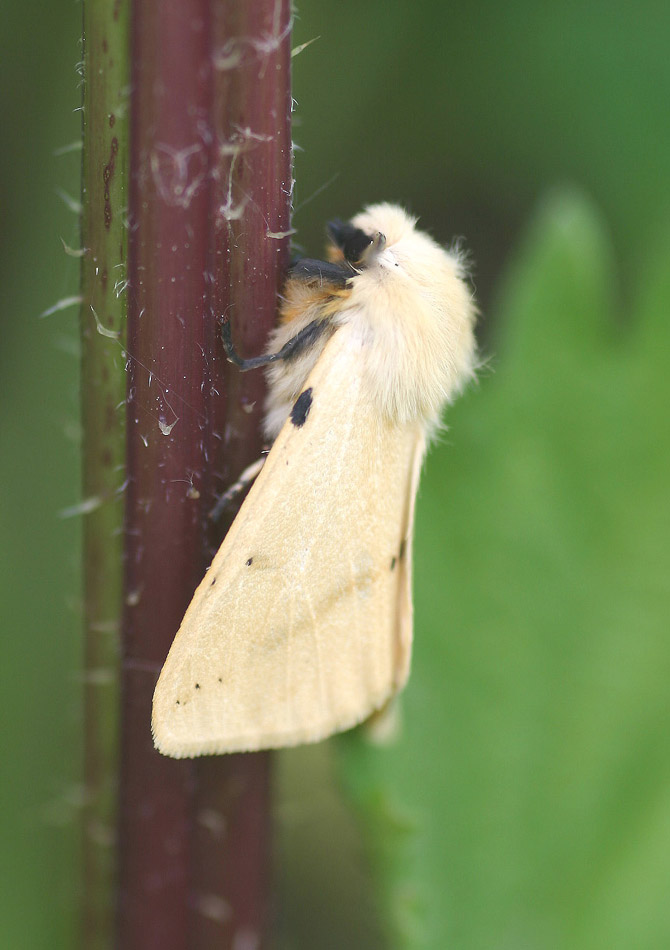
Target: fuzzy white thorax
{"type": "Point", "coordinates": [414, 315]}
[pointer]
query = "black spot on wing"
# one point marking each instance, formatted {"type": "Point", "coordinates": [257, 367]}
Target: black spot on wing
{"type": "Point", "coordinates": [403, 547]}
{"type": "Point", "coordinates": [250, 561]}
{"type": "Point", "coordinates": [301, 408]}
{"type": "Point", "coordinates": [393, 563]}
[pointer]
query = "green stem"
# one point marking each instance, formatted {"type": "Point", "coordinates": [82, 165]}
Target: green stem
{"type": "Point", "coordinates": [103, 391]}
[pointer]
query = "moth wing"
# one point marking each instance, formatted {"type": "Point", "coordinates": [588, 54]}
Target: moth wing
{"type": "Point", "coordinates": [302, 626]}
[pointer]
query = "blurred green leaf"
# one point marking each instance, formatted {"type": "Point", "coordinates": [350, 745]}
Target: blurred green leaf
{"type": "Point", "coordinates": [526, 801]}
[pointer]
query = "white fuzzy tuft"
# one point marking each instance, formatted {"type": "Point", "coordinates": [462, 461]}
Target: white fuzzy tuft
{"type": "Point", "coordinates": [418, 314]}
{"type": "Point", "coordinates": [414, 315]}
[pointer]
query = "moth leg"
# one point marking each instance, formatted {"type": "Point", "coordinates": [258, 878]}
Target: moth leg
{"type": "Point", "coordinates": [297, 343]}
{"type": "Point", "coordinates": [243, 482]}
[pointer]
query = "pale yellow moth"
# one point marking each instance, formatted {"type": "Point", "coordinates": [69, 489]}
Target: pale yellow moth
{"type": "Point", "coordinates": [302, 626]}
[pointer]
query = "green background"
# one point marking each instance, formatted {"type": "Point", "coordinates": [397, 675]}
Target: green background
{"type": "Point", "coordinates": [526, 802]}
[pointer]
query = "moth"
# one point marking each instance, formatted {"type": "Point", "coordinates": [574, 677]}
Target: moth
{"type": "Point", "coordinates": [302, 626]}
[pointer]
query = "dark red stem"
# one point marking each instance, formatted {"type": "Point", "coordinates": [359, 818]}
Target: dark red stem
{"type": "Point", "coordinates": [210, 193]}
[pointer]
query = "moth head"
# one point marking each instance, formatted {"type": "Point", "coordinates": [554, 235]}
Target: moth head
{"type": "Point", "coordinates": [358, 246]}
{"type": "Point", "coordinates": [391, 220]}
{"type": "Point", "coordinates": [385, 235]}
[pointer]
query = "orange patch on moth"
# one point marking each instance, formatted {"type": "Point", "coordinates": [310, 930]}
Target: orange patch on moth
{"type": "Point", "coordinates": [300, 296]}
{"type": "Point", "coordinates": [334, 254]}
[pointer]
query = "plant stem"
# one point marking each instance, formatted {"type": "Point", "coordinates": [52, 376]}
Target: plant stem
{"type": "Point", "coordinates": [103, 392]}
{"type": "Point", "coordinates": [210, 185]}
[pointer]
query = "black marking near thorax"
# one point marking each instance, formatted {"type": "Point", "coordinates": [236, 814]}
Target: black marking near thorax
{"type": "Point", "coordinates": [301, 408]}
{"type": "Point", "coordinates": [351, 240]}
{"type": "Point", "coordinates": [322, 273]}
